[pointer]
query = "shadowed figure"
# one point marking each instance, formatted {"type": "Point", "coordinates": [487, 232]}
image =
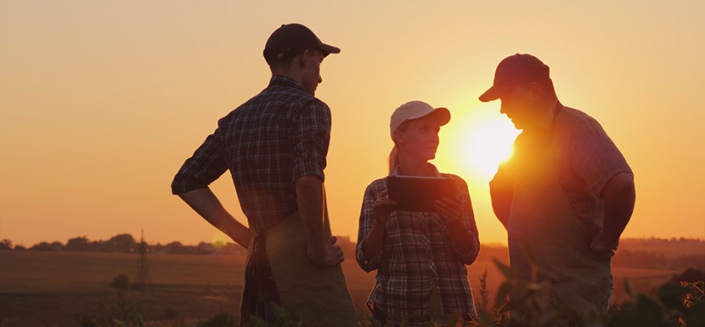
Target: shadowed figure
{"type": "Point", "coordinates": [275, 146]}
{"type": "Point", "coordinates": [565, 195]}
{"type": "Point", "coordinates": [416, 252]}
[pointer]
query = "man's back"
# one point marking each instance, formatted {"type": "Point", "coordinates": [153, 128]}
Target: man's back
{"type": "Point", "coordinates": [267, 143]}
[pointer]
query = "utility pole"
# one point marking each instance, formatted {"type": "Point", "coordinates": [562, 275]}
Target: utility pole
{"type": "Point", "coordinates": [142, 280]}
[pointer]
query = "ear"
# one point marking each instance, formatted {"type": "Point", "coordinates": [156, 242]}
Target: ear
{"type": "Point", "coordinates": [304, 58]}
{"type": "Point", "coordinates": [535, 92]}
{"type": "Point", "coordinates": [397, 137]}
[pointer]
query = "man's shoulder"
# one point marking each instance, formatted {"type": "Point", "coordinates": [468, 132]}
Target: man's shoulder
{"type": "Point", "coordinates": [571, 120]}
{"type": "Point", "coordinates": [287, 98]}
{"type": "Point", "coordinates": [279, 99]}
{"type": "Point", "coordinates": [575, 116]}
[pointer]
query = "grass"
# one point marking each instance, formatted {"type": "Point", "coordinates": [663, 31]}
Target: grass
{"type": "Point", "coordinates": [61, 288]}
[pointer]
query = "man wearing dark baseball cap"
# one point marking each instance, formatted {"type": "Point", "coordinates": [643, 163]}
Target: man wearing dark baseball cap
{"type": "Point", "coordinates": [565, 195]}
{"type": "Point", "coordinates": [275, 146]}
{"type": "Point", "coordinates": [290, 40]}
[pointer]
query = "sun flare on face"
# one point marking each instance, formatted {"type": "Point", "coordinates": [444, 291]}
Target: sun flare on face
{"type": "Point", "coordinates": [476, 141]}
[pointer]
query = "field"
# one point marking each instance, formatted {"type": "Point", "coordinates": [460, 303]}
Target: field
{"type": "Point", "coordinates": [62, 288]}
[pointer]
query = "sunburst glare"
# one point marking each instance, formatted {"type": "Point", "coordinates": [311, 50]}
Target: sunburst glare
{"type": "Point", "coordinates": [476, 141]}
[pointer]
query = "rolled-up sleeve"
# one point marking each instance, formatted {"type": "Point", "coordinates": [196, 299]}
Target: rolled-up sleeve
{"type": "Point", "coordinates": [206, 165]}
{"type": "Point", "coordinates": [367, 218]}
{"type": "Point", "coordinates": [595, 158]}
{"type": "Point", "coordinates": [311, 138]}
{"type": "Point", "coordinates": [469, 223]}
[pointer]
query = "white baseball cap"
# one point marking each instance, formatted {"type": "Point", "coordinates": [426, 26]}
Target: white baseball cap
{"type": "Point", "coordinates": [414, 110]}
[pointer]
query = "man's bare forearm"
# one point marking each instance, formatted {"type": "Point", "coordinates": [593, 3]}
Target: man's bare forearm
{"type": "Point", "coordinates": [309, 194]}
{"type": "Point", "coordinates": [207, 205]}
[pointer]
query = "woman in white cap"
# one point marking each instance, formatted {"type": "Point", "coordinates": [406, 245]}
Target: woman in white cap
{"type": "Point", "coordinates": [416, 253]}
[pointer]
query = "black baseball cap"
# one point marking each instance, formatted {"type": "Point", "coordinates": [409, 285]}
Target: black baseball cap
{"type": "Point", "coordinates": [290, 40]}
{"type": "Point", "coordinates": [514, 70]}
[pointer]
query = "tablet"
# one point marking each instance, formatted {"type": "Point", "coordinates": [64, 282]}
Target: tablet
{"type": "Point", "coordinates": [416, 193]}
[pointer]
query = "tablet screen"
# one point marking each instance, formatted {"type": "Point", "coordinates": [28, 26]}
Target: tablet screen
{"type": "Point", "coordinates": [415, 193]}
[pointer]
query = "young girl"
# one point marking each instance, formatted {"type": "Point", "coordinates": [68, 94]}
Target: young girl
{"type": "Point", "coordinates": [417, 252]}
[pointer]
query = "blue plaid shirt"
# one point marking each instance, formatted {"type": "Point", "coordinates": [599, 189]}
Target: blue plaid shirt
{"type": "Point", "coordinates": [267, 143]}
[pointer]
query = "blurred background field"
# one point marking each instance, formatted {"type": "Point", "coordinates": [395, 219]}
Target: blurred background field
{"type": "Point", "coordinates": [63, 288]}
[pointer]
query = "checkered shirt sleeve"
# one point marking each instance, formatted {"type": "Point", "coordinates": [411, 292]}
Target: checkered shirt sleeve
{"type": "Point", "coordinates": [205, 166]}
{"type": "Point", "coordinates": [311, 139]}
{"type": "Point", "coordinates": [594, 157]}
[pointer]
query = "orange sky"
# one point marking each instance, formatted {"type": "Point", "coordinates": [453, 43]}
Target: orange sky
{"type": "Point", "coordinates": [102, 101]}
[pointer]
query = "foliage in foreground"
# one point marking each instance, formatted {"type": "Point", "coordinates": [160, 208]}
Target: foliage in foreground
{"type": "Point", "coordinates": [674, 305]}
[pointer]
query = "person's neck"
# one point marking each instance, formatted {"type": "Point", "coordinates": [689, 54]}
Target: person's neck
{"type": "Point", "coordinates": [289, 74]}
{"type": "Point", "coordinates": [411, 167]}
{"type": "Point", "coordinates": [546, 115]}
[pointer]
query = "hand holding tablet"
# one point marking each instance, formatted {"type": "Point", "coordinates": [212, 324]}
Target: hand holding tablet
{"type": "Point", "coordinates": [416, 193]}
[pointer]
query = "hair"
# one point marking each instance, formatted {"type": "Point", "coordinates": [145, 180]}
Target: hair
{"type": "Point", "coordinates": [394, 154]}
{"type": "Point", "coordinates": [393, 159]}
{"type": "Point", "coordinates": [282, 64]}
{"type": "Point", "coordinates": [285, 64]}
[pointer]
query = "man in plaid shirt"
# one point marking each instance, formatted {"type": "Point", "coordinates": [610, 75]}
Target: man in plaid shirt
{"type": "Point", "coordinates": [275, 147]}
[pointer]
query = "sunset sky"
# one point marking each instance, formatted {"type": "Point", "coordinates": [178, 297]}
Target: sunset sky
{"type": "Point", "coordinates": [102, 101]}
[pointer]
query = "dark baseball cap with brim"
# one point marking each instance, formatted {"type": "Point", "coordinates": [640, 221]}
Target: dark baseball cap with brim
{"type": "Point", "coordinates": [515, 70]}
{"type": "Point", "coordinates": [290, 40]}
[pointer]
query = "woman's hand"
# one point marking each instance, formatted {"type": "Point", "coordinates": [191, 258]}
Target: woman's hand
{"type": "Point", "coordinates": [374, 243]}
{"type": "Point", "coordinates": [450, 210]}
{"type": "Point", "coordinates": [464, 241]}
{"type": "Point", "coordinates": [382, 208]}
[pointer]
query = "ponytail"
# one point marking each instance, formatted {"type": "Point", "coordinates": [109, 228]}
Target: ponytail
{"type": "Point", "coordinates": [394, 155]}
{"type": "Point", "coordinates": [393, 159]}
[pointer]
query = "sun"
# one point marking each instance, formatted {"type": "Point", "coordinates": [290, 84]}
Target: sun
{"type": "Point", "coordinates": [488, 145]}
{"type": "Point", "coordinates": [476, 141]}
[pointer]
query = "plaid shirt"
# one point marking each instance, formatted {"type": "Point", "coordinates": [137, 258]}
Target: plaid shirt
{"type": "Point", "coordinates": [267, 143]}
{"type": "Point", "coordinates": [417, 257]}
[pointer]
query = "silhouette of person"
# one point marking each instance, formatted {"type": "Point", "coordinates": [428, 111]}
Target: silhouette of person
{"type": "Point", "coordinates": [417, 252]}
{"type": "Point", "coordinates": [275, 146]}
{"type": "Point", "coordinates": [565, 195]}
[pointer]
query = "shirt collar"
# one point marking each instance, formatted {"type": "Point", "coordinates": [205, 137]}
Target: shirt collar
{"type": "Point", "coordinates": [279, 80]}
{"type": "Point", "coordinates": [434, 171]}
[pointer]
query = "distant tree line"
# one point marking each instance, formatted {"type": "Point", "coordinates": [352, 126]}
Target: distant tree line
{"type": "Point", "coordinates": [628, 255]}
{"type": "Point", "coordinates": [125, 243]}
